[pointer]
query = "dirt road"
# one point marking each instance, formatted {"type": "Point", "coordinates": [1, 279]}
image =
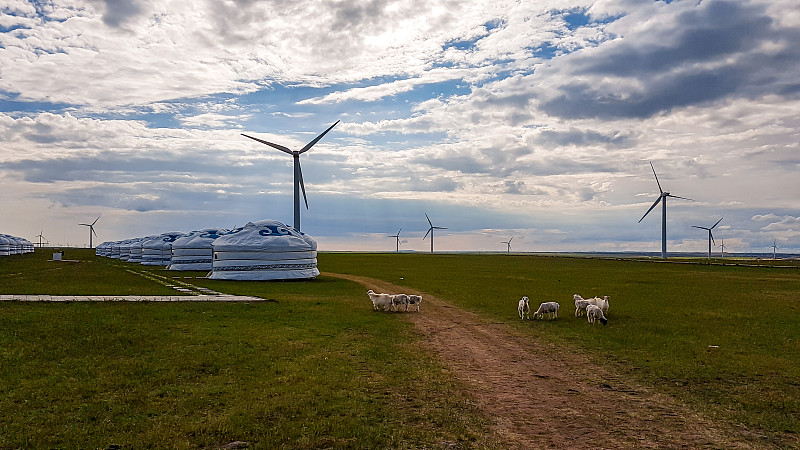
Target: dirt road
{"type": "Point", "coordinates": [544, 396]}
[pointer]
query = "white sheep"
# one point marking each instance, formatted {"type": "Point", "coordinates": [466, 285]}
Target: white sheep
{"type": "Point", "coordinates": [524, 308]}
{"type": "Point", "coordinates": [600, 302]}
{"type": "Point", "coordinates": [414, 301]}
{"type": "Point", "coordinates": [580, 307]}
{"type": "Point", "coordinates": [594, 313]}
{"type": "Point", "coordinates": [379, 300]}
{"type": "Point", "coordinates": [549, 308]}
{"type": "Point", "coordinates": [399, 300]}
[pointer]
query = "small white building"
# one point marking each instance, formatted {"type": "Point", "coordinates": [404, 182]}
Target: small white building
{"type": "Point", "coordinates": [265, 250]}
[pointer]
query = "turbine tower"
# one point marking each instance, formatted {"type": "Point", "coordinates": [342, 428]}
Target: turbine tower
{"type": "Point", "coordinates": [397, 236]}
{"type": "Point", "coordinates": [430, 230]}
{"type": "Point", "coordinates": [298, 174]}
{"type": "Point", "coordinates": [710, 236]}
{"type": "Point", "coordinates": [508, 243]}
{"type": "Point", "coordinates": [663, 199]}
{"type": "Point", "coordinates": [91, 230]}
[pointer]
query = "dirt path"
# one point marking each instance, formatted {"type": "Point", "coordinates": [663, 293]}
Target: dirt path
{"type": "Point", "coordinates": [541, 396]}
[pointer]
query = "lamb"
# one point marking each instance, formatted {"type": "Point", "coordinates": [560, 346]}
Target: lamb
{"type": "Point", "coordinates": [593, 313]}
{"type": "Point", "coordinates": [524, 308]}
{"type": "Point", "coordinates": [379, 300]}
{"type": "Point", "coordinates": [549, 308]}
{"type": "Point", "coordinates": [398, 300]}
{"type": "Point", "coordinates": [414, 301]}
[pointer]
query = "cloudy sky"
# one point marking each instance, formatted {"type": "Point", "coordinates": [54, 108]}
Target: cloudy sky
{"type": "Point", "coordinates": [532, 119]}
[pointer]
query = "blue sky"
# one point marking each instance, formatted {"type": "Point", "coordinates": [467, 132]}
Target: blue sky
{"type": "Point", "coordinates": [536, 120]}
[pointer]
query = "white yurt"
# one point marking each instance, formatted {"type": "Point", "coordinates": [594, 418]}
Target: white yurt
{"type": "Point", "coordinates": [265, 250]}
{"type": "Point", "coordinates": [125, 249]}
{"type": "Point", "coordinates": [116, 249]}
{"type": "Point", "coordinates": [193, 251]}
{"type": "Point", "coordinates": [136, 249]}
{"type": "Point", "coordinates": [5, 245]}
{"type": "Point", "coordinates": [157, 250]}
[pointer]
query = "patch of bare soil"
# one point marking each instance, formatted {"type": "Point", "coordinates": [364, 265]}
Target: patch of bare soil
{"type": "Point", "coordinates": [541, 395]}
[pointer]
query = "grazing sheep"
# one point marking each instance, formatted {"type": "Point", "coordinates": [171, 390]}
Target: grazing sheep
{"type": "Point", "coordinates": [524, 308]}
{"type": "Point", "coordinates": [580, 307]}
{"type": "Point", "coordinates": [594, 313]}
{"type": "Point", "coordinates": [549, 308]}
{"type": "Point", "coordinates": [379, 300]}
{"type": "Point", "coordinates": [398, 300]}
{"type": "Point", "coordinates": [414, 301]}
{"type": "Point", "coordinates": [600, 302]}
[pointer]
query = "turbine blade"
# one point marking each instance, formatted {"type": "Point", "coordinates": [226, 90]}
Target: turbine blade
{"type": "Point", "coordinates": [429, 220]}
{"type": "Point", "coordinates": [426, 234]}
{"type": "Point", "coordinates": [512, 238]}
{"type": "Point", "coordinates": [712, 237]}
{"type": "Point", "coordinates": [279, 147]}
{"type": "Point", "coordinates": [720, 220]}
{"type": "Point", "coordinates": [398, 231]}
{"type": "Point", "coordinates": [302, 185]}
{"type": "Point", "coordinates": [84, 224]}
{"type": "Point", "coordinates": [95, 220]}
{"type": "Point", "coordinates": [440, 228]}
{"type": "Point", "coordinates": [675, 196]}
{"type": "Point", "coordinates": [702, 228]}
{"type": "Point", "coordinates": [311, 144]}
{"type": "Point", "coordinates": [95, 232]}
{"type": "Point", "coordinates": [651, 208]}
{"type": "Point", "coordinates": [654, 173]}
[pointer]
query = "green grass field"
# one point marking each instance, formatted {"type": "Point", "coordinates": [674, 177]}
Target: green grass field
{"type": "Point", "coordinates": [316, 367]}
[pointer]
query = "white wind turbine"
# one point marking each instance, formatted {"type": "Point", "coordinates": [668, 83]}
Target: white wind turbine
{"type": "Point", "coordinates": [397, 237]}
{"type": "Point", "coordinates": [722, 247]}
{"type": "Point", "coordinates": [91, 230]}
{"type": "Point", "coordinates": [40, 236]}
{"type": "Point", "coordinates": [508, 244]}
{"type": "Point", "coordinates": [774, 248]}
{"type": "Point", "coordinates": [298, 174]}
{"type": "Point", "coordinates": [663, 199]}
{"type": "Point", "coordinates": [430, 230]}
{"type": "Point", "coordinates": [710, 236]}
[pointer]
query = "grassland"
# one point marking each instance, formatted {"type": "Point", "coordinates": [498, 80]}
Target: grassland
{"type": "Point", "coordinates": [316, 368]}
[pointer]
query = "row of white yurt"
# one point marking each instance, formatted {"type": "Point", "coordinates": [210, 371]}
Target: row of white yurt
{"type": "Point", "coordinates": [12, 245]}
{"type": "Point", "coordinates": [265, 250]}
{"type": "Point", "coordinates": [194, 251]}
{"type": "Point", "coordinates": [157, 251]}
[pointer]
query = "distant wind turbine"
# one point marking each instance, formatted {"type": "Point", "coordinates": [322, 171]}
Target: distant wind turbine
{"type": "Point", "coordinates": [430, 230]}
{"type": "Point", "coordinates": [663, 199]}
{"type": "Point", "coordinates": [722, 247]}
{"type": "Point", "coordinates": [397, 236]}
{"type": "Point", "coordinates": [774, 248]}
{"type": "Point", "coordinates": [91, 230]}
{"type": "Point", "coordinates": [710, 236]}
{"type": "Point", "coordinates": [508, 243]}
{"type": "Point", "coordinates": [298, 174]}
{"type": "Point", "coordinates": [40, 236]}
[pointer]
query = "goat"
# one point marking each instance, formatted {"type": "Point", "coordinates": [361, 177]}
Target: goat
{"type": "Point", "coordinates": [399, 299]}
{"type": "Point", "coordinates": [524, 308]}
{"type": "Point", "coordinates": [594, 313]}
{"type": "Point", "coordinates": [549, 308]}
{"type": "Point", "coordinates": [414, 301]}
{"type": "Point", "coordinates": [379, 300]}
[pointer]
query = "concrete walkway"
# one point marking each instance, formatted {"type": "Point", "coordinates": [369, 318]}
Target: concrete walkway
{"type": "Point", "coordinates": [130, 298]}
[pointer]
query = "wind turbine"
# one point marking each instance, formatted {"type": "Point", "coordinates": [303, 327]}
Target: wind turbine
{"type": "Point", "coordinates": [91, 229]}
{"type": "Point", "coordinates": [508, 243]}
{"type": "Point", "coordinates": [663, 199]}
{"type": "Point", "coordinates": [722, 246]}
{"type": "Point", "coordinates": [774, 247]}
{"type": "Point", "coordinates": [40, 236]}
{"type": "Point", "coordinates": [430, 230]}
{"type": "Point", "coordinates": [298, 174]}
{"type": "Point", "coordinates": [397, 236]}
{"type": "Point", "coordinates": [710, 236]}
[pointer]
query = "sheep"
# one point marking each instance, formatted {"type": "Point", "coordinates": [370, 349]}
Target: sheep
{"type": "Point", "coordinates": [593, 313]}
{"type": "Point", "coordinates": [524, 308]}
{"type": "Point", "coordinates": [580, 307]}
{"type": "Point", "coordinates": [414, 301]}
{"type": "Point", "coordinates": [549, 308]}
{"type": "Point", "coordinates": [379, 300]}
{"type": "Point", "coordinates": [600, 302]}
{"type": "Point", "coordinates": [398, 300]}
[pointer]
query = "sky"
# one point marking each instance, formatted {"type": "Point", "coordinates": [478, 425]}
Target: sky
{"type": "Point", "coordinates": [536, 120]}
